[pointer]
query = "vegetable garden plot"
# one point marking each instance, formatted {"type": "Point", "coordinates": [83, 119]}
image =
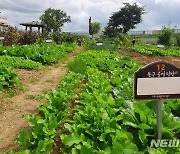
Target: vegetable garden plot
{"type": "Point", "coordinates": [17, 62]}
{"type": "Point", "coordinates": [43, 53]}
{"type": "Point", "coordinates": [154, 51]}
{"type": "Point", "coordinates": [29, 57]}
{"type": "Point", "coordinates": [105, 119]}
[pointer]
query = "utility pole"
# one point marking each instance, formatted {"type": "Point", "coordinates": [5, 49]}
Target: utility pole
{"type": "Point", "coordinates": [90, 29]}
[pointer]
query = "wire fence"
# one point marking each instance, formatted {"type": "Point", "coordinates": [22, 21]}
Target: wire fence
{"type": "Point", "coordinates": [148, 32]}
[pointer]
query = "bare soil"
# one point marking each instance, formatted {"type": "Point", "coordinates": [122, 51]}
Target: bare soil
{"type": "Point", "coordinates": [145, 59]}
{"type": "Point", "coordinates": [27, 101]}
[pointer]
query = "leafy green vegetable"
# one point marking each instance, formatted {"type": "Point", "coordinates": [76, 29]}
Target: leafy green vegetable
{"type": "Point", "coordinates": [155, 51]}
{"type": "Point", "coordinates": [8, 78]}
{"type": "Point", "coordinates": [43, 53]}
{"type": "Point", "coordinates": [97, 111]}
{"type": "Point", "coordinates": [17, 62]}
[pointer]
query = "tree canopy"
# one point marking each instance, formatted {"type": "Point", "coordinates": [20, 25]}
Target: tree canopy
{"type": "Point", "coordinates": [126, 18]}
{"type": "Point", "coordinates": [95, 27]}
{"type": "Point", "coordinates": [54, 20]}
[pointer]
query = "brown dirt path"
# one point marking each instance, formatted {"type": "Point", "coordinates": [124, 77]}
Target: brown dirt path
{"type": "Point", "coordinates": [145, 59]}
{"type": "Point", "coordinates": [36, 82]}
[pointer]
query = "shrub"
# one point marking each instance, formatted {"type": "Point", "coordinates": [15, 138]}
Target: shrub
{"type": "Point", "coordinates": [125, 40]}
{"type": "Point", "coordinates": [28, 38]}
{"type": "Point", "coordinates": [57, 37]}
{"type": "Point", "coordinates": [166, 36]}
{"type": "Point", "coordinates": [11, 37]}
{"type": "Point", "coordinates": [177, 39]}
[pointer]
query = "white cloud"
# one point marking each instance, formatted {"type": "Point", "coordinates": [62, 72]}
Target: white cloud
{"type": "Point", "coordinates": [168, 2]}
{"type": "Point", "coordinates": [159, 12]}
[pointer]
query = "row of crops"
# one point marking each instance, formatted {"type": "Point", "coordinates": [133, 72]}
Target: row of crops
{"type": "Point", "coordinates": [42, 53]}
{"type": "Point", "coordinates": [93, 111]}
{"type": "Point", "coordinates": [155, 51]}
{"type": "Point", "coordinates": [29, 57]}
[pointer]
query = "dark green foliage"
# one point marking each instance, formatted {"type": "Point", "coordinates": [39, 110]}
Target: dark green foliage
{"type": "Point", "coordinates": [165, 37]}
{"type": "Point", "coordinates": [126, 18]}
{"type": "Point", "coordinates": [110, 31]}
{"type": "Point", "coordinates": [68, 37]}
{"type": "Point", "coordinates": [60, 38]}
{"type": "Point", "coordinates": [54, 19]}
{"type": "Point", "coordinates": [57, 37]}
{"type": "Point", "coordinates": [177, 36]}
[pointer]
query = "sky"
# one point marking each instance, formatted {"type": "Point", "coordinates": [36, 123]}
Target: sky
{"type": "Point", "coordinates": [158, 12]}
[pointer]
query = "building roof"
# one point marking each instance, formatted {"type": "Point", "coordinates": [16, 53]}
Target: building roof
{"type": "Point", "coordinates": [33, 24]}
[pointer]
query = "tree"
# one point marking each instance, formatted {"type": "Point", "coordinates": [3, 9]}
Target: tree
{"type": "Point", "coordinates": [126, 18]}
{"type": "Point", "coordinates": [54, 20]}
{"type": "Point", "coordinates": [110, 31]}
{"type": "Point", "coordinates": [95, 27]}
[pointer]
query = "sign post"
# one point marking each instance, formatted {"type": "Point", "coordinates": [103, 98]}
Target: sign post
{"type": "Point", "coordinates": [158, 80]}
{"type": "Point", "coordinates": [159, 119]}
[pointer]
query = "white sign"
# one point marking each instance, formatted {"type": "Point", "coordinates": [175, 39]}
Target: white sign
{"type": "Point", "coordinates": [157, 80]}
{"type": "Point", "coordinates": [49, 41]}
{"type": "Point", "coordinates": [99, 44]}
{"type": "Point", "coordinates": [157, 86]}
{"type": "Point", "coordinates": [1, 38]}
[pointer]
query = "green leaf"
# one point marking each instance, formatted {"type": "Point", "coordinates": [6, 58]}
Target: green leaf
{"type": "Point", "coordinates": [68, 126]}
{"type": "Point", "coordinates": [129, 119]}
{"type": "Point", "coordinates": [74, 151]}
{"type": "Point", "coordinates": [121, 134]}
{"type": "Point", "coordinates": [142, 115]}
{"type": "Point", "coordinates": [166, 133]}
{"type": "Point", "coordinates": [85, 150]}
{"type": "Point", "coordinates": [144, 126]}
{"type": "Point", "coordinates": [130, 147]}
{"type": "Point", "coordinates": [156, 151]}
{"type": "Point", "coordinates": [69, 140]}
{"type": "Point", "coordinates": [24, 139]}
{"type": "Point", "coordinates": [102, 137]}
{"type": "Point", "coordinates": [117, 147]}
{"type": "Point", "coordinates": [142, 137]}
{"type": "Point", "coordinates": [45, 145]}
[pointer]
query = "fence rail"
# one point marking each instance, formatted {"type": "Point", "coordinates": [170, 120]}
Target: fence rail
{"type": "Point", "coordinates": [148, 32]}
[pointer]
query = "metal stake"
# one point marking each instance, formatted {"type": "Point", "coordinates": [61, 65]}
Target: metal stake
{"type": "Point", "coordinates": [159, 119]}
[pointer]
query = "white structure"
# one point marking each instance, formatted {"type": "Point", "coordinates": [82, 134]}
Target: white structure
{"type": "Point", "coordinates": [3, 21]}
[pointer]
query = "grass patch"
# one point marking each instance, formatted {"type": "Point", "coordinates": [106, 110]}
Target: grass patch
{"type": "Point", "coordinates": [34, 97]}
{"type": "Point", "coordinates": [34, 80]}
{"type": "Point", "coordinates": [49, 81]}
